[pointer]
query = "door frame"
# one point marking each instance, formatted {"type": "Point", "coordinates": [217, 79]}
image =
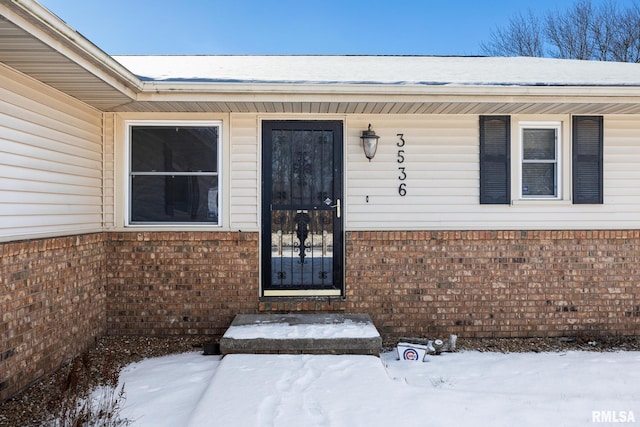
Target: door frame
{"type": "Point", "coordinates": [265, 211]}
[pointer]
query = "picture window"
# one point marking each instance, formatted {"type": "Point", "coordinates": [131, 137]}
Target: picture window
{"type": "Point", "coordinates": [174, 173]}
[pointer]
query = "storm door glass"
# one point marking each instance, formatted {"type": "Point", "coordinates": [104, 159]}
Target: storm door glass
{"type": "Point", "coordinates": [302, 206]}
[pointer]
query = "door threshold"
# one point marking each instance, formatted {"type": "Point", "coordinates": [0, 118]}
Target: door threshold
{"type": "Point", "coordinates": [302, 293]}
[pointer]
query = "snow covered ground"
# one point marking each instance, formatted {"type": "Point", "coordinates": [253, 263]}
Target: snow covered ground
{"type": "Point", "coordinates": [453, 389]}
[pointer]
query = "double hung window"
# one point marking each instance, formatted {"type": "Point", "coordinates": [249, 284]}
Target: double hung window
{"type": "Point", "coordinates": [174, 173]}
{"type": "Point", "coordinates": [544, 165]}
{"type": "Point", "coordinates": [540, 170]}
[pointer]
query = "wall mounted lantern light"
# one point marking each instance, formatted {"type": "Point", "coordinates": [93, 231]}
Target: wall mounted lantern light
{"type": "Point", "coordinates": [369, 142]}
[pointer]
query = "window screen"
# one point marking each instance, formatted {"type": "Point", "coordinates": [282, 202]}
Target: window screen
{"type": "Point", "coordinates": [539, 162]}
{"type": "Point", "coordinates": [174, 174]}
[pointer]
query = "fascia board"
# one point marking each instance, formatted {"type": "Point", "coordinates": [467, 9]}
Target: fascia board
{"type": "Point", "coordinates": [51, 30]}
{"type": "Point", "coordinates": [254, 92]}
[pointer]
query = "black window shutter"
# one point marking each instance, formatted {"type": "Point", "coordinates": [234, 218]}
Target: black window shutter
{"type": "Point", "coordinates": [495, 159]}
{"type": "Point", "coordinates": [587, 159]}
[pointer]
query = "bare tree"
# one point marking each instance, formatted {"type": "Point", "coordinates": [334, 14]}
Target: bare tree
{"type": "Point", "coordinates": [523, 37]}
{"type": "Point", "coordinates": [605, 31]}
{"type": "Point", "coordinates": [626, 45]}
{"type": "Point", "coordinates": [568, 33]}
{"type": "Point", "coordinates": [582, 31]}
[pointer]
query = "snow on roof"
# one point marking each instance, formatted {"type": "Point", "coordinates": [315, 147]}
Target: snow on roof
{"type": "Point", "coordinates": [387, 70]}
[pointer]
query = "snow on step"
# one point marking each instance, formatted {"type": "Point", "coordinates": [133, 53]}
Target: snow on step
{"type": "Point", "coordinates": [333, 333]}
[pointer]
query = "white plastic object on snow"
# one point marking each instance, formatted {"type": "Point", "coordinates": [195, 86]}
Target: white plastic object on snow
{"type": "Point", "coordinates": [411, 352]}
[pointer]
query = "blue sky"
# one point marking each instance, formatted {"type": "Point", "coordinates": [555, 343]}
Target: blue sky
{"type": "Point", "coordinates": [403, 27]}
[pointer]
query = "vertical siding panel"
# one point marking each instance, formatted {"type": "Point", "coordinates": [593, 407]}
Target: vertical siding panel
{"type": "Point", "coordinates": [51, 146]}
{"type": "Point", "coordinates": [621, 163]}
{"type": "Point", "coordinates": [108, 171]}
{"type": "Point", "coordinates": [245, 180]}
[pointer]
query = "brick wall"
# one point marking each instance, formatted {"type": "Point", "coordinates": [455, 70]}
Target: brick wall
{"type": "Point", "coordinates": [52, 305]}
{"type": "Point", "coordinates": [474, 284]}
{"type": "Point", "coordinates": [180, 283]}
{"type": "Point", "coordinates": [58, 295]}
{"type": "Point", "coordinates": [496, 284]}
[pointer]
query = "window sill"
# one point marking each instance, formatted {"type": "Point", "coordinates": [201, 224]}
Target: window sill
{"type": "Point", "coordinates": [172, 225]}
{"type": "Point", "coordinates": [541, 201]}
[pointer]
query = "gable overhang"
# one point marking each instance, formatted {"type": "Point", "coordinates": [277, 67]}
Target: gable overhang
{"type": "Point", "coordinates": [37, 43]}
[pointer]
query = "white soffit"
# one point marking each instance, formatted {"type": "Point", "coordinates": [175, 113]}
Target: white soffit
{"type": "Point", "coordinates": [37, 43]}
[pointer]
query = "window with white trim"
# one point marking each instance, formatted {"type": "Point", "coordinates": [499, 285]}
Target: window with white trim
{"type": "Point", "coordinates": [540, 171]}
{"type": "Point", "coordinates": [174, 173]}
{"type": "Point", "coordinates": [546, 168]}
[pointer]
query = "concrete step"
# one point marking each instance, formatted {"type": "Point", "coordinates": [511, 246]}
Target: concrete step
{"type": "Point", "coordinates": [302, 333]}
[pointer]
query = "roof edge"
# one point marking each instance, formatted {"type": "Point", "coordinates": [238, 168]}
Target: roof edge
{"type": "Point", "coordinates": [222, 87]}
{"type": "Point", "coordinates": [43, 24]}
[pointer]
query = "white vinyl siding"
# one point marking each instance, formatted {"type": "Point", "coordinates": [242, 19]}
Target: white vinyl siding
{"type": "Point", "coordinates": [50, 161]}
{"type": "Point", "coordinates": [622, 167]}
{"type": "Point", "coordinates": [441, 164]}
{"type": "Point", "coordinates": [108, 176]}
{"type": "Point", "coordinates": [442, 169]}
{"type": "Point", "coordinates": [244, 173]}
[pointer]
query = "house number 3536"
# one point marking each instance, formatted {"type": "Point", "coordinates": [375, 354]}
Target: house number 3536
{"type": "Point", "coordinates": [402, 188]}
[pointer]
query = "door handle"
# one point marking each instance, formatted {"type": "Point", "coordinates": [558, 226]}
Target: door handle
{"type": "Point", "coordinates": [327, 201]}
{"type": "Point", "coordinates": [337, 206]}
